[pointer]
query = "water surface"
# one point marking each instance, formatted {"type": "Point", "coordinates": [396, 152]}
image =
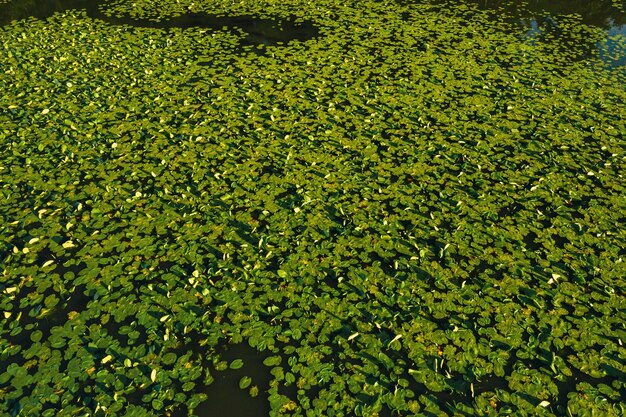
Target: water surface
{"type": "Point", "coordinates": [259, 31]}
{"type": "Point", "coordinates": [558, 23]}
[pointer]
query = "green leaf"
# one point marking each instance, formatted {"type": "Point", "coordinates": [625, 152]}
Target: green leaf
{"type": "Point", "coordinates": [245, 382]}
{"type": "Point", "coordinates": [236, 364]}
{"type": "Point", "coordinates": [36, 336]}
{"type": "Point", "coordinates": [272, 361]}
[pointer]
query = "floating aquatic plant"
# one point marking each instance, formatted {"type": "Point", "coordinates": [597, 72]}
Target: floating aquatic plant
{"type": "Point", "coordinates": [417, 211]}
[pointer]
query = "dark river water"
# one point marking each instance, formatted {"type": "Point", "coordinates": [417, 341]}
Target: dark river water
{"type": "Point", "coordinates": [259, 31]}
{"type": "Point", "coordinates": [539, 20]}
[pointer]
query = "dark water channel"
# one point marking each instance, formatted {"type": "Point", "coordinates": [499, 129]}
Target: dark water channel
{"type": "Point", "coordinates": [259, 31]}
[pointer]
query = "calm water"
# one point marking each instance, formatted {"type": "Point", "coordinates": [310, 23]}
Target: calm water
{"type": "Point", "coordinates": [258, 31]}
{"type": "Point", "coordinates": [541, 21]}
{"type": "Point", "coordinates": [600, 13]}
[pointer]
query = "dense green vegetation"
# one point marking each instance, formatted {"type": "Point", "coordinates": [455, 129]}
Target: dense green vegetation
{"type": "Point", "coordinates": [417, 212]}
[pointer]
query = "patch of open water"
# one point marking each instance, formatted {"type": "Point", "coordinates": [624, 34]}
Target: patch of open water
{"type": "Point", "coordinates": [539, 21]}
{"type": "Point", "coordinates": [259, 31]}
{"type": "Point", "coordinates": [542, 21]}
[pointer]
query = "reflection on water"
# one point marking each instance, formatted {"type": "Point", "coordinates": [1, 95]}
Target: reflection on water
{"type": "Point", "coordinates": [259, 31]}
{"type": "Point", "coordinates": [545, 22]}
{"type": "Point", "coordinates": [601, 13]}
{"type": "Point", "coordinates": [610, 50]}
{"type": "Point", "coordinates": [541, 22]}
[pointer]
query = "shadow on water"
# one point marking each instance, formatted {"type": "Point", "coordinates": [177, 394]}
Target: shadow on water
{"type": "Point", "coordinates": [259, 31]}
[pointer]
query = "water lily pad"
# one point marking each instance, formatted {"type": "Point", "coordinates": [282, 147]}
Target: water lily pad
{"type": "Point", "coordinates": [245, 382]}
